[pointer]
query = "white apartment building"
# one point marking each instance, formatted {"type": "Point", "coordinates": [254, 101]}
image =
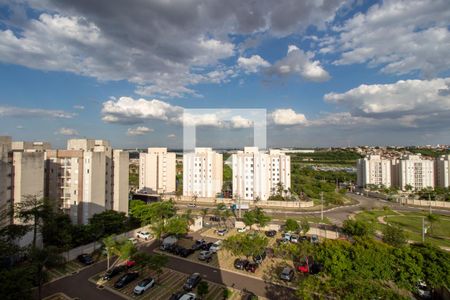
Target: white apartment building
{"type": "Point", "coordinates": [416, 172]}
{"type": "Point", "coordinates": [157, 171]}
{"type": "Point", "coordinates": [374, 170]}
{"type": "Point", "coordinates": [202, 173]}
{"type": "Point", "coordinates": [87, 178]}
{"type": "Point", "coordinates": [5, 176]}
{"type": "Point", "coordinates": [256, 174]}
{"type": "Point", "coordinates": [443, 171]}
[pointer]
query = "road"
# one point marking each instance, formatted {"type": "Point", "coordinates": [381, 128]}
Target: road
{"type": "Point", "coordinates": [78, 286]}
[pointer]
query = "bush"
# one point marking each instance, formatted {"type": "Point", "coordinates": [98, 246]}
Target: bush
{"type": "Point", "coordinates": [358, 228]}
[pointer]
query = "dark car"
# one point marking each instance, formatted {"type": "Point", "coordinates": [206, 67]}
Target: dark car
{"type": "Point", "coordinates": [176, 249]}
{"type": "Point", "coordinates": [250, 296]}
{"type": "Point", "coordinates": [287, 274]}
{"type": "Point", "coordinates": [270, 233]}
{"type": "Point", "coordinates": [303, 238]}
{"type": "Point", "coordinates": [176, 296]}
{"type": "Point", "coordinates": [259, 257]}
{"type": "Point", "coordinates": [251, 267]}
{"type": "Point", "coordinates": [206, 246]}
{"type": "Point", "coordinates": [114, 271]}
{"type": "Point", "coordinates": [192, 281]}
{"type": "Point", "coordinates": [214, 219]}
{"type": "Point", "coordinates": [240, 264]}
{"type": "Point", "coordinates": [85, 259]}
{"type": "Point", "coordinates": [126, 279]}
{"type": "Point", "coordinates": [186, 252]}
{"type": "Point", "coordinates": [198, 244]}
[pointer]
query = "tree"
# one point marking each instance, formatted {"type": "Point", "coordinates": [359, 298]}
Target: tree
{"type": "Point", "coordinates": [261, 218]}
{"type": "Point", "coordinates": [204, 212]}
{"type": "Point", "coordinates": [249, 218]}
{"type": "Point", "coordinates": [142, 259]}
{"type": "Point", "coordinates": [291, 225]}
{"type": "Point", "coordinates": [394, 236]}
{"type": "Point", "coordinates": [358, 228]}
{"type": "Point", "coordinates": [304, 226]}
{"type": "Point", "coordinates": [432, 219]}
{"type": "Point", "coordinates": [177, 225]}
{"type": "Point", "coordinates": [109, 222]}
{"type": "Point", "coordinates": [435, 265]}
{"type": "Point", "coordinates": [246, 244]}
{"type": "Point", "coordinates": [153, 212]}
{"type": "Point", "coordinates": [123, 249]}
{"type": "Point", "coordinates": [203, 289]}
{"type": "Point", "coordinates": [41, 260]}
{"type": "Point", "coordinates": [16, 283]}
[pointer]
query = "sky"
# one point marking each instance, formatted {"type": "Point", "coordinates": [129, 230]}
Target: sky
{"type": "Point", "coordinates": [327, 73]}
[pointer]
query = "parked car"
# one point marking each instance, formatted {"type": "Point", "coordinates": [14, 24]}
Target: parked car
{"type": "Point", "coordinates": [251, 267]}
{"type": "Point", "coordinates": [270, 233]}
{"type": "Point", "coordinates": [216, 246]}
{"type": "Point", "coordinates": [130, 263]}
{"type": "Point", "coordinates": [176, 296]}
{"type": "Point", "coordinates": [305, 264]}
{"type": "Point", "coordinates": [314, 239]}
{"type": "Point", "coordinates": [240, 263]}
{"type": "Point", "coordinates": [192, 281]}
{"type": "Point", "coordinates": [259, 257]}
{"type": "Point", "coordinates": [241, 229]}
{"type": "Point", "coordinates": [126, 279]}
{"type": "Point", "coordinates": [191, 205]}
{"type": "Point", "coordinates": [222, 231]}
{"type": "Point", "coordinates": [198, 244]}
{"type": "Point", "coordinates": [286, 236]}
{"type": "Point", "coordinates": [176, 249]}
{"type": "Point", "coordinates": [114, 271]}
{"type": "Point", "coordinates": [85, 259]}
{"type": "Point", "coordinates": [144, 285]}
{"type": "Point", "coordinates": [205, 255]}
{"type": "Point", "coordinates": [206, 246]}
{"type": "Point", "coordinates": [287, 274]}
{"type": "Point", "coordinates": [294, 238]}
{"type": "Point", "coordinates": [188, 296]}
{"type": "Point", "coordinates": [144, 235]}
{"type": "Point", "coordinates": [303, 238]}
{"type": "Point", "coordinates": [186, 252]}
{"type": "Point", "coordinates": [214, 219]}
{"type": "Point", "coordinates": [134, 241]}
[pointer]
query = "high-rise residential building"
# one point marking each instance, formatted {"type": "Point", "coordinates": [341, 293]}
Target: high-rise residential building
{"type": "Point", "coordinates": [5, 177]}
{"type": "Point", "coordinates": [443, 171]}
{"type": "Point", "coordinates": [257, 175]}
{"type": "Point", "coordinates": [157, 171]}
{"type": "Point", "coordinates": [202, 173]}
{"type": "Point", "coordinates": [374, 170]}
{"type": "Point", "coordinates": [87, 178]}
{"type": "Point", "coordinates": [416, 172]}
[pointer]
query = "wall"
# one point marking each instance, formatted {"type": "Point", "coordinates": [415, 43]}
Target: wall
{"type": "Point", "coordinates": [227, 201]}
{"type": "Point", "coordinates": [426, 203]}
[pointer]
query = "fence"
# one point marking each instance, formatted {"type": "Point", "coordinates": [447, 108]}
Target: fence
{"type": "Point", "coordinates": [426, 203]}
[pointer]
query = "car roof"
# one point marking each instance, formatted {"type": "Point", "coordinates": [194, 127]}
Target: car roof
{"type": "Point", "coordinates": [287, 269]}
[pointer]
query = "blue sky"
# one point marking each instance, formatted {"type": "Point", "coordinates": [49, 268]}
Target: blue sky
{"type": "Point", "coordinates": [329, 74]}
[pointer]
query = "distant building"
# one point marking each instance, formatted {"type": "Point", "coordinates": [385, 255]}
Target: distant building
{"type": "Point", "coordinates": [157, 171]}
{"type": "Point", "coordinates": [202, 173]}
{"type": "Point", "coordinates": [443, 171]}
{"type": "Point", "coordinates": [87, 178]}
{"type": "Point", "coordinates": [5, 176]}
{"type": "Point", "coordinates": [256, 175]}
{"type": "Point", "coordinates": [416, 172]}
{"type": "Point", "coordinates": [374, 170]}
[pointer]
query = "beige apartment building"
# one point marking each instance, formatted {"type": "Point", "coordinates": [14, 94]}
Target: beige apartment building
{"type": "Point", "coordinates": [443, 171]}
{"type": "Point", "coordinates": [87, 178]}
{"type": "Point", "coordinates": [256, 174]}
{"type": "Point", "coordinates": [374, 170]}
{"type": "Point", "coordinates": [202, 173]}
{"type": "Point", "coordinates": [416, 172]}
{"type": "Point", "coordinates": [5, 176]}
{"type": "Point", "coordinates": [157, 171]}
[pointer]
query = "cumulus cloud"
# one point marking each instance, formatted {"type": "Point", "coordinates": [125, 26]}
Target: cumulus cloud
{"type": "Point", "coordinates": [140, 130]}
{"type": "Point", "coordinates": [399, 98]}
{"type": "Point", "coordinates": [67, 131]}
{"type": "Point", "coordinates": [400, 36]}
{"type": "Point", "coordinates": [171, 136]}
{"type": "Point", "coordinates": [187, 40]}
{"type": "Point", "coordinates": [287, 116]}
{"type": "Point", "coordinates": [252, 64]}
{"type": "Point", "coordinates": [297, 62]}
{"type": "Point", "coordinates": [12, 111]}
{"type": "Point", "coordinates": [241, 122]}
{"type": "Point", "coordinates": [80, 107]}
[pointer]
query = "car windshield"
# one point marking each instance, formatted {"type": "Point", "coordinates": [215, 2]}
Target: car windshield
{"type": "Point", "coordinates": [144, 282]}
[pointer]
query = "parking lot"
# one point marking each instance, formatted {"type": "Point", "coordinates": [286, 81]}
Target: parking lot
{"type": "Point", "coordinates": [71, 267]}
{"type": "Point", "coordinates": [169, 282]}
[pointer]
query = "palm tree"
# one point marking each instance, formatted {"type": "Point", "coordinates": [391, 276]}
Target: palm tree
{"type": "Point", "coordinates": [123, 249]}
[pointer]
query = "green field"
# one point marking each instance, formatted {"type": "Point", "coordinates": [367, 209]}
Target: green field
{"type": "Point", "coordinates": [411, 222]}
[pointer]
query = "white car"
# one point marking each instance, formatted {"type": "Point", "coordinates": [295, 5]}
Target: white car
{"type": "Point", "coordinates": [286, 236]}
{"type": "Point", "coordinates": [216, 246]}
{"type": "Point", "coordinates": [191, 205]}
{"type": "Point", "coordinates": [188, 296]}
{"type": "Point", "coordinates": [134, 241]}
{"type": "Point", "coordinates": [294, 238]}
{"type": "Point", "coordinates": [144, 235]}
{"type": "Point", "coordinates": [144, 285]}
{"type": "Point", "coordinates": [242, 229]}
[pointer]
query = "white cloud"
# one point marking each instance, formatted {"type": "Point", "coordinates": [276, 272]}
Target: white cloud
{"type": "Point", "coordinates": [140, 130]}
{"type": "Point", "coordinates": [399, 98]}
{"type": "Point", "coordinates": [80, 107]}
{"type": "Point", "coordinates": [297, 62]}
{"type": "Point", "coordinates": [67, 131]}
{"type": "Point", "coordinates": [400, 36]}
{"type": "Point", "coordinates": [241, 122]}
{"type": "Point", "coordinates": [171, 136]}
{"type": "Point", "coordinates": [12, 111]}
{"type": "Point", "coordinates": [252, 64]}
{"type": "Point", "coordinates": [287, 116]}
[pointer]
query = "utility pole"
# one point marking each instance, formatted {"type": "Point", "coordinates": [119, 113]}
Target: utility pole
{"type": "Point", "coordinates": [423, 229]}
{"type": "Point", "coordinates": [321, 209]}
{"type": "Point", "coordinates": [239, 201]}
{"type": "Point", "coordinates": [429, 201]}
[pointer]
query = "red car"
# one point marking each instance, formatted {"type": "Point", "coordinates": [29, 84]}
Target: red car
{"type": "Point", "coordinates": [130, 263]}
{"type": "Point", "coordinates": [305, 264]}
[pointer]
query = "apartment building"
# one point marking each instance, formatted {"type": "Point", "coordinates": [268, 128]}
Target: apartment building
{"type": "Point", "coordinates": [416, 172]}
{"type": "Point", "coordinates": [5, 176]}
{"type": "Point", "coordinates": [157, 171]}
{"type": "Point", "coordinates": [374, 170]}
{"type": "Point", "coordinates": [202, 173]}
{"type": "Point", "coordinates": [87, 178]}
{"type": "Point", "coordinates": [443, 171]}
{"type": "Point", "coordinates": [256, 175]}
